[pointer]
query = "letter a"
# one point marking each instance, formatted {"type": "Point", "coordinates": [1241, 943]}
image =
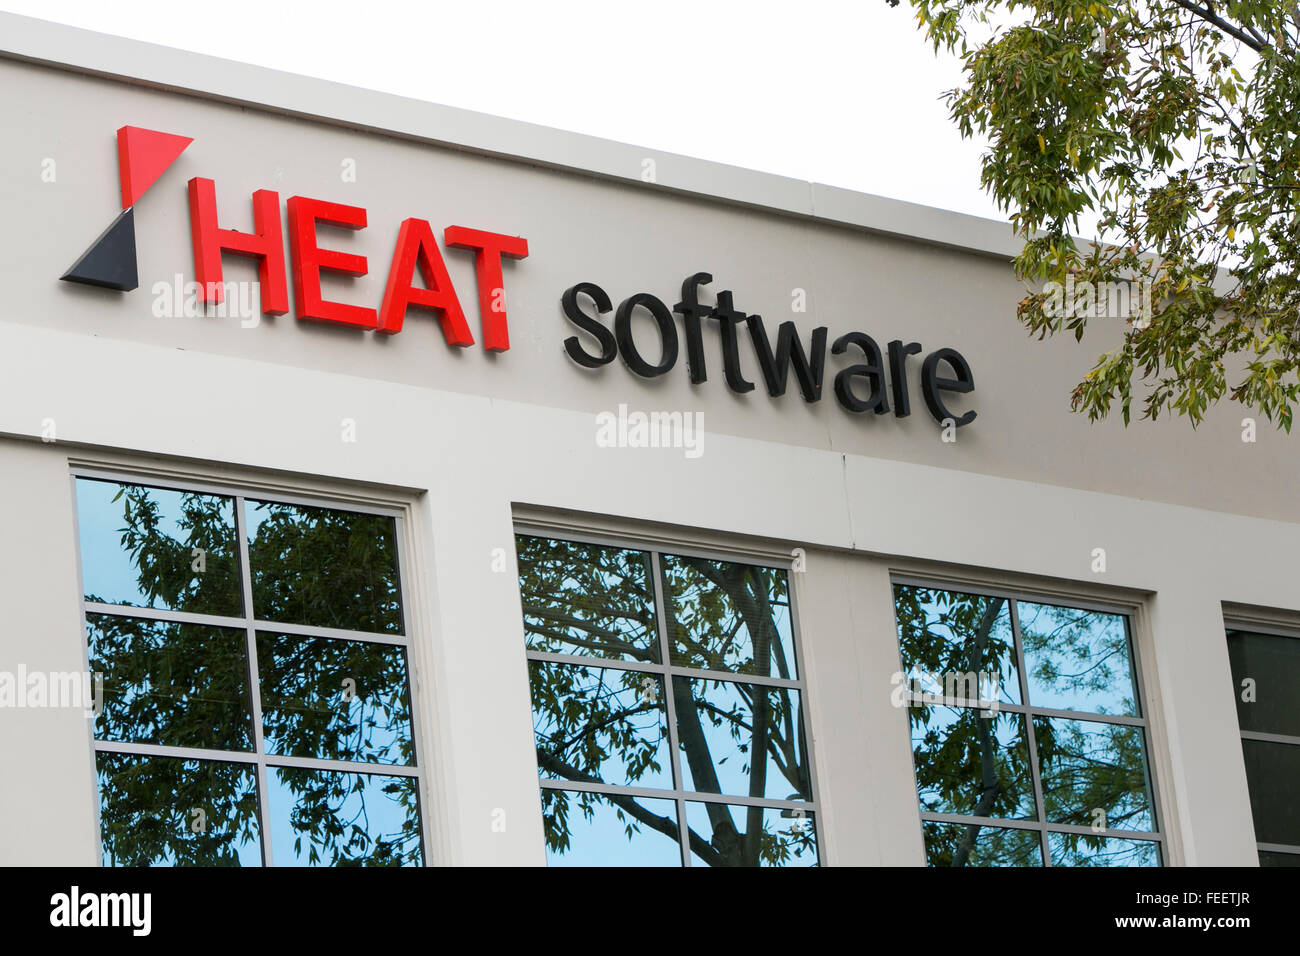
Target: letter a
{"type": "Point", "coordinates": [416, 246]}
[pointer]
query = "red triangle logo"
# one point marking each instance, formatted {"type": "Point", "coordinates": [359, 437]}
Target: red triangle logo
{"type": "Point", "coordinates": [142, 156]}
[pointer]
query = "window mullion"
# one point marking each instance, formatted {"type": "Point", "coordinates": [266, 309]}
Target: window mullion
{"type": "Point", "coordinates": [1031, 740]}
{"type": "Point", "coordinates": [665, 658]}
{"type": "Point", "coordinates": [255, 689]}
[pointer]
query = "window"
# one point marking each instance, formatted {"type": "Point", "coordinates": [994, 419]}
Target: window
{"type": "Point", "coordinates": [256, 705]}
{"type": "Point", "coordinates": [666, 708]}
{"type": "Point", "coordinates": [1028, 739]}
{"type": "Point", "coordinates": [1265, 675]}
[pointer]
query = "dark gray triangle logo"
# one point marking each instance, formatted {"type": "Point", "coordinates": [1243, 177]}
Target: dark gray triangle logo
{"type": "Point", "coordinates": [110, 262]}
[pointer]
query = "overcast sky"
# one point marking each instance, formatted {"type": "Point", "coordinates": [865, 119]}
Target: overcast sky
{"type": "Point", "coordinates": [844, 92]}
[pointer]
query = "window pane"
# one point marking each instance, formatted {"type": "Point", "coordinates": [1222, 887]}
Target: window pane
{"type": "Point", "coordinates": [729, 617]}
{"type": "Point", "coordinates": [741, 739]}
{"type": "Point", "coordinates": [724, 835]}
{"type": "Point", "coordinates": [963, 844]}
{"type": "Point", "coordinates": [590, 829]}
{"type": "Point", "coordinates": [1274, 858]}
{"type": "Point", "coordinates": [1273, 664]}
{"type": "Point", "coordinates": [324, 818]}
{"type": "Point", "coordinates": [600, 725]}
{"type": "Point", "coordinates": [1273, 776]}
{"type": "Point", "coordinates": [323, 567]}
{"type": "Point", "coordinates": [163, 811]}
{"type": "Point", "coordinates": [1077, 660]}
{"type": "Point", "coordinates": [956, 645]}
{"type": "Point", "coordinates": [971, 764]}
{"type": "Point", "coordinates": [1094, 774]}
{"type": "Point", "coordinates": [334, 699]}
{"type": "Point", "coordinates": [1073, 849]}
{"type": "Point", "coordinates": [181, 685]}
{"type": "Point", "coordinates": [150, 547]}
{"type": "Point", "coordinates": [587, 600]}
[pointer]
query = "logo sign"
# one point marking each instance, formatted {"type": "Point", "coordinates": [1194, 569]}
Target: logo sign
{"type": "Point", "coordinates": [875, 381]}
{"type": "Point", "coordinates": [142, 156]}
{"type": "Point", "coordinates": [863, 386]}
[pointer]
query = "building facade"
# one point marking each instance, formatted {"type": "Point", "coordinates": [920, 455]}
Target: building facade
{"type": "Point", "coordinates": [530, 498]}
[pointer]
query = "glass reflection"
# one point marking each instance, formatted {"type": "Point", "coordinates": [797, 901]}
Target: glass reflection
{"type": "Point", "coordinates": [334, 699]}
{"type": "Point", "coordinates": [152, 547]}
{"type": "Point", "coordinates": [969, 764]}
{"type": "Point", "coordinates": [591, 829]}
{"type": "Point", "coordinates": [769, 837]}
{"type": "Point", "coordinates": [325, 818]}
{"type": "Point", "coordinates": [181, 685]}
{"type": "Point", "coordinates": [1074, 849]}
{"type": "Point", "coordinates": [741, 739]}
{"type": "Point", "coordinates": [956, 645]}
{"type": "Point", "coordinates": [974, 762]}
{"type": "Point", "coordinates": [587, 600]}
{"type": "Point", "coordinates": [729, 617]}
{"type": "Point", "coordinates": [970, 844]}
{"type": "Point", "coordinates": [1093, 773]}
{"type": "Point", "coordinates": [1273, 664]}
{"type": "Point", "coordinates": [1077, 660]}
{"type": "Point", "coordinates": [164, 811]}
{"type": "Point", "coordinates": [1273, 778]}
{"type": "Point", "coordinates": [600, 725]}
{"type": "Point", "coordinates": [323, 567]}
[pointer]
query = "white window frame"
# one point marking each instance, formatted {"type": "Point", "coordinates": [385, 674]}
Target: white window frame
{"type": "Point", "coordinates": [657, 547]}
{"type": "Point", "coordinates": [912, 577]}
{"type": "Point", "coordinates": [425, 756]}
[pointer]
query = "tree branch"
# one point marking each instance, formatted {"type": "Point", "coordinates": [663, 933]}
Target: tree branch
{"type": "Point", "coordinates": [663, 825]}
{"type": "Point", "coordinates": [1206, 13]}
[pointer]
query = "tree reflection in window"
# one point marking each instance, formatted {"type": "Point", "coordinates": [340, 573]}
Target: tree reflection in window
{"type": "Point", "coordinates": [720, 675]}
{"type": "Point", "coordinates": [1027, 739]}
{"type": "Point", "coordinates": [168, 626]}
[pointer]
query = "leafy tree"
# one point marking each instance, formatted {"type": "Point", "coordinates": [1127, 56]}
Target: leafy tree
{"type": "Point", "coordinates": [1172, 124]}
